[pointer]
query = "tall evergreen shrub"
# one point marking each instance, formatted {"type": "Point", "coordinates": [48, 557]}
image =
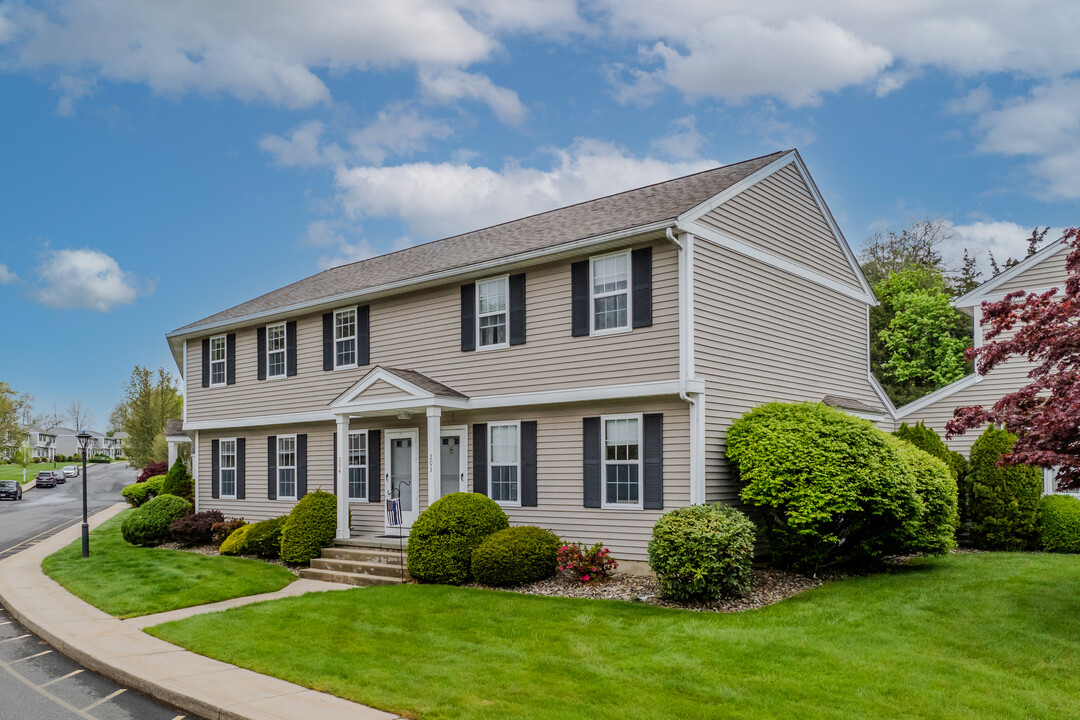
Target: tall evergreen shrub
{"type": "Point", "coordinates": [1004, 500]}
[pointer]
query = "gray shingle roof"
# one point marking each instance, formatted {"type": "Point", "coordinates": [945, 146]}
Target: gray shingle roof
{"type": "Point", "coordinates": [844, 403]}
{"type": "Point", "coordinates": [423, 381]}
{"type": "Point", "coordinates": [623, 211]}
{"type": "Point", "coordinates": [174, 427]}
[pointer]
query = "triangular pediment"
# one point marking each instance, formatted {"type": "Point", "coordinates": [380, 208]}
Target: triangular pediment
{"type": "Point", "coordinates": [383, 385]}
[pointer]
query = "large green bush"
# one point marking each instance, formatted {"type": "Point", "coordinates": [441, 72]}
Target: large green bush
{"type": "Point", "coordinates": [828, 488]}
{"type": "Point", "coordinates": [311, 526]}
{"type": "Point", "coordinates": [515, 556]}
{"type": "Point", "coordinates": [933, 529]}
{"type": "Point", "coordinates": [702, 552]}
{"type": "Point", "coordinates": [136, 493]}
{"type": "Point", "coordinates": [1004, 500]}
{"type": "Point", "coordinates": [155, 485]}
{"type": "Point", "coordinates": [264, 538]}
{"type": "Point", "coordinates": [236, 543]}
{"type": "Point", "coordinates": [442, 540]}
{"type": "Point", "coordinates": [929, 441]}
{"type": "Point", "coordinates": [178, 481]}
{"type": "Point", "coordinates": [149, 525]}
{"type": "Point", "coordinates": [1059, 524]}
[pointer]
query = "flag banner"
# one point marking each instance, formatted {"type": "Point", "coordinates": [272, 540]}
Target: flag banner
{"type": "Point", "coordinates": [393, 512]}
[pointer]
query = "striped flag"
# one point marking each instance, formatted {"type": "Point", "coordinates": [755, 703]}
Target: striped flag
{"type": "Point", "coordinates": [393, 512]}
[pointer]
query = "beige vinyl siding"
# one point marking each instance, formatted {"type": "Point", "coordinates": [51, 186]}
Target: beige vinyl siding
{"type": "Point", "coordinates": [382, 390]}
{"type": "Point", "coordinates": [559, 472]}
{"type": "Point", "coordinates": [1047, 274]}
{"type": "Point", "coordinates": [764, 335]}
{"type": "Point", "coordinates": [779, 215]}
{"type": "Point", "coordinates": [422, 331]}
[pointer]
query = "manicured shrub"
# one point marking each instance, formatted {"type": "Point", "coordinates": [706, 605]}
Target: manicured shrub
{"type": "Point", "coordinates": [149, 525]}
{"type": "Point", "coordinates": [932, 530]}
{"type": "Point", "coordinates": [196, 529]}
{"type": "Point", "coordinates": [311, 526]}
{"type": "Point", "coordinates": [264, 538]}
{"type": "Point", "coordinates": [587, 563]}
{"type": "Point", "coordinates": [515, 556]}
{"type": "Point", "coordinates": [1004, 500]}
{"type": "Point", "coordinates": [236, 543]}
{"type": "Point", "coordinates": [136, 493]}
{"type": "Point", "coordinates": [929, 441]}
{"type": "Point", "coordinates": [99, 459]}
{"type": "Point", "coordinates": [152, 470]}
{"type": "Point", "coordinates": [154, 485]}
{"type": "Point", "coordinates": [442, 540]}
{"type": "Point", "coordinates": [831, 489]}
{"type": "Point", "coordinates": [702, 552]}
{"type": "Point", "coordinates": [1059, 524]}
{"type": "Point", "coordinates": [221, 530]}
{"type": "Point", "coordinates": [178, 481]}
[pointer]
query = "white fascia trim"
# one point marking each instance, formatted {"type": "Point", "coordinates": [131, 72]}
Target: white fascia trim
{"type": "Point", "coordinates": [374, 375]}
{"type": "Point", "coordinates": [979, 294]}
{"type": "Point", "coordinates": [720, 198]}
{"type": "Point", "coordinates": [882, 395]}
{"type": "Point", "coordinates": [178, 438]}
{"type": "Point", "coordinates": [183, 371]}
{"type": "Point", "coordinates": [726, 241]}
{"type": "Point", "coordinates": [939, 394]}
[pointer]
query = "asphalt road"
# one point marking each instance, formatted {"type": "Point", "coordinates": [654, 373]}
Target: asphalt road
{"type": "Point", "coordinates": [36, 681]}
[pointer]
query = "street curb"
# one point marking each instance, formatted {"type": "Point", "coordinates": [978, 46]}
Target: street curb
{"type": "Point", "coordinates": [325, 706]}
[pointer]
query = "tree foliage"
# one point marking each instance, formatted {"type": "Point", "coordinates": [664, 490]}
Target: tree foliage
{"type": "Point", "coordinates": [888, 252]}
{"type": "Point", "coordinates": [149, 400]}
{"type": "Point", "coordinates": [13, 411]}
{"type": "Point", "coordinates": [1044, 329]}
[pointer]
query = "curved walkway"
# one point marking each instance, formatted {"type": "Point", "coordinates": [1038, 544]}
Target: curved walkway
{"type": "Point", "coordinates": [121, 652]}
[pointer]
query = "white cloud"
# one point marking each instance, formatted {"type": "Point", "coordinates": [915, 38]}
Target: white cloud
{"type": "Point", "coordinates": [85, 279]}
{"type": "Point", "coordinates": [397, 130]}
{"type": "Point", "coordinates": [300, 149]}
{"type": "Point", "coordinates": [980, 238]}
{"type": "Point", "coordinates": [71, 89]}
{"type": "Point", "coordinates": [684, 142]}
{"type": "Point", "coordinates": [7, 276]}
{"type": "Point", "coordinates": [449, 85]}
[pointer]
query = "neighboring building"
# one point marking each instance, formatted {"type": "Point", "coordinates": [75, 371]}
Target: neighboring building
{"type": "Point", "coordinates": [42, 443]}
{"type": "Point", "coordinates": [175, 437]}
{"type": "Point", "coordinates": [112, 446]}
{"type": "Point", "coordinates": [580, 366]}
{"type": "Point", "coordinates": [68, 444]}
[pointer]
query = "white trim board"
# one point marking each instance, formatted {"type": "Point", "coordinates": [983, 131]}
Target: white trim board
{"type": "Point", "coordinates": [939, 394]}
{"type": "Point", "coordinates": [980, 293]}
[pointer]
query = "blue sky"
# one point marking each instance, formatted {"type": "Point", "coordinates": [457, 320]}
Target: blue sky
{"type": "Point", "coordinates": [163, 161]}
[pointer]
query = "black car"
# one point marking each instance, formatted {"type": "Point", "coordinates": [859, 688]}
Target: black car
{"type": "Point", "coordinates": [10, 489]}
{"type": "Point", "coordinates": [60, 477]}
{"type": "Point", "coordinates": [45, 478]}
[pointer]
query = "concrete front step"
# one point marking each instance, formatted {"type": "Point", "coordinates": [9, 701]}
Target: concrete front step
{"type": "Point", "coordinates": [360, 567]}
{"type": "Point", "coordinates": [347, 577]}
{"type": "Point", "coordinates": [385, 557]}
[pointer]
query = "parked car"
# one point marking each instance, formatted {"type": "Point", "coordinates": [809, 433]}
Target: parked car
{"type": "Point", "coordinates": [71, 471]}
{"type": "Point", "coordinates": [59, 475]}
{"type": "Point", "coordinates": [45, 478]}
{"type": "Point", "coordinates": [10, 489]}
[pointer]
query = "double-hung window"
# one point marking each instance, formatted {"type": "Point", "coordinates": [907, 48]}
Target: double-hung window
{"type": "Point", "coordinates": [275, 350]}
{"type": "Point", "coordinates": [286, 466]}
{"type": "Point", "coordinates": [504, 464]}
{"type": "Point", "coordinates": [345, 338]}
{"type": "Point", "coordinates": [227, 465]}
{"type": "Point", "coordinates": [621, 459]}
{"type": "Point", "coordinates": [492, 312]}
{"type": "Point", "coordinates": [358, 466]}
{"type": "Point", "coordinates": [217, 360]}
{"type": "Point", "coordinates": [610, 291]}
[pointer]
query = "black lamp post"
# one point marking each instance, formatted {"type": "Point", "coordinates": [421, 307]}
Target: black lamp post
{"type": "Point", "coordinates": [84, 443]}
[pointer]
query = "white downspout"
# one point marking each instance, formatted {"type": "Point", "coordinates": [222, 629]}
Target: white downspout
{"type": "Point", "coordinates": [685, 244]}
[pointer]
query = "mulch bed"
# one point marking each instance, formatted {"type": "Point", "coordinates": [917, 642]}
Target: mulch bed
{"type": "Point", "coordinates": [213, 550]}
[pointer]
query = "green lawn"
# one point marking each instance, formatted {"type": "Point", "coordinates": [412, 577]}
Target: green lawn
{"type": "Point", "coordinates": [968, 636]}
{"type": "Point", "coordinates": [14, 472]}
{"type": "Point", "coordinates": [126, 581]}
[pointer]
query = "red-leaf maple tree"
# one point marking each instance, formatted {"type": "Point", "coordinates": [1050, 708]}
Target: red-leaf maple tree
{"type": "Point", "coordinates": [1045, 413]}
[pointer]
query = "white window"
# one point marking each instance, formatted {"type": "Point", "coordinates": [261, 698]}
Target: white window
{"type": "Point", "coordinates": [286, 466]}
{"type": "Point", "coordinates": [345, 338]}
{"type": "Point", "coordinates": [217, 360]}
{"type": "Point", "coordinates": [227, 467]}
{"type": "Point", "coordinates": [358, 466]}
{"type": "Point", "coordinates": [491, 305]}
{"type": "Point", "coordinates": [610, 288]}
{"type": "Point", "coordinates": [504, 463]}
{"type": "Point", "coordinates": [275, 350]}
{"type": "Point", "coordinates": [621, 460]}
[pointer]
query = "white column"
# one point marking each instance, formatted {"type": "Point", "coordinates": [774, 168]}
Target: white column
{"type": "Point", "coordinates": [434, 450]}
{"type": "Point", "coordinates": [172, 453]}
{"type": "Point", "coordinates": [697, 449]}
{"type": "Point", "coordinates": [341, 477]}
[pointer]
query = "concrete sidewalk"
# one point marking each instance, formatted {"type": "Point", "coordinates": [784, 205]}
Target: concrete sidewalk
{"type": "Point", "coordinates": [120, 651]}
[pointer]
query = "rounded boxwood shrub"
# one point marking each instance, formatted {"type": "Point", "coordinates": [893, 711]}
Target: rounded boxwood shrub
{"type": "Point", "coordinates": [236, 543]}
{"type": "Point", "coordinates": [442, 540]}
{"type": "Point", "coordinates": [149, 525]}
{"type": "Point", "coordinates": [196, 529]}
{"type": "Point", "coordinates": [515, 556]}
{"type": "Point", "coordinates": [178, 481]}
{"type": "Point", "coordinates": [933, 529]}
{"type": "Point", "coordinates": [1059, 524]}
{"type": "Point", "coordinates": [930, 442]}
{"type": "Point", "coordinates": [136, 493]}
{"type": "Point", "coordinates": [155, 484]}
{"type": "Point", "coordinates": [702, 552]}
{"type": "Point", "coordinates": [1004, 500]}
{"type": "Point", "coordinates": [264, 538]}
{"type": "Point", "coordinates": [311, 526]}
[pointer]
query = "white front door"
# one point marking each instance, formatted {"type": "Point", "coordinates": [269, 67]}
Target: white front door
{"type": "Point", "coordinates": [403, 475]}
{"type": "Point", "coordinates": [452, 449]}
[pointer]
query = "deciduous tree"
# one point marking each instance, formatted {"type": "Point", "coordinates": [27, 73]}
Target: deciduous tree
{"type": "Point", "coordinates": [149, 401]}
{"type": "Point", "coordinates": [13, 409]}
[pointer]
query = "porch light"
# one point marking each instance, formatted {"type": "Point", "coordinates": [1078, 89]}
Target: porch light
{"type": "Point", "coordinates": [404, 415]}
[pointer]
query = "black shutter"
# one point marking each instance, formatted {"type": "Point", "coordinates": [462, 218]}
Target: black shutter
{"type": "Point", "coordinates": [590, 437]}
{"type": "Point", "coordinates": [653, 434]}
{"type": "Point", "coordinates": [517, 309]}
{"type": "Point", "coordinates": [260, 343]}
{"type": "Point", "coordinates": [363, 334]}
{"type": "Point", "coordinates": [206, 362]}
{"type": "Point", "coordinates": [334, 483]}
{"type": "Point", "coordinates": [290, 348]}
{"type": "Point", "coordinates": [230, 359]}
{"type": "Point", "coordinates": [328, 341]}
{"type": "Point", "coordinates": [215, 469]}
{"type": "Point", "coordinates": [468, 317]}
{"type": "Point", "coordinates": [374, 478]}
{"type": "Point", "coordinates": [479, 458]}
{"type": "Point", "coordinates": [641, 272]}
{"type": "Point", "coordinates": [528, 463]}
{"type": "Point", "coordinates": [301, 466]}
{"type": "Point", "coordinates": [271, 467]}
{"type": "Point", "coordinates": [241, 469]}
{"type": "Point", "coordinates": [579, 298]}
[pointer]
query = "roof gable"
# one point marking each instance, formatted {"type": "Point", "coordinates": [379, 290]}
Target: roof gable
{"type": "Point", "coordinates": [390, 384]}
{"type": "Point", "coordinates": [1006, 277]}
